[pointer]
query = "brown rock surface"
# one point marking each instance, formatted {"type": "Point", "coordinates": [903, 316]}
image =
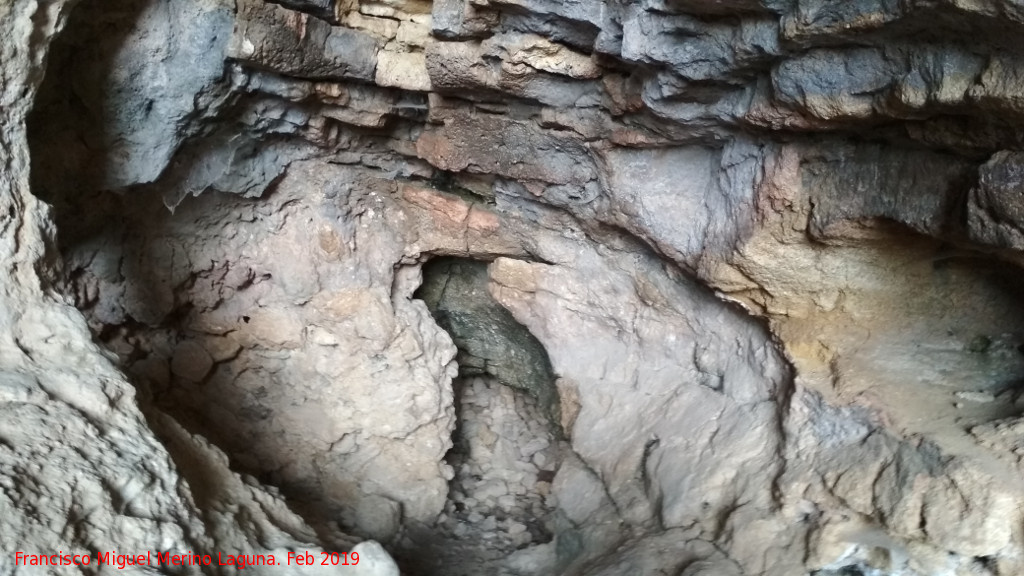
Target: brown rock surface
{"type": "Point", "coordinates": [769, 252]}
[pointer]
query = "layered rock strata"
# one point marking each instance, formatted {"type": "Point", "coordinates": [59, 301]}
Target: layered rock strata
{"type": "Point", "coordinates": [770, 248]}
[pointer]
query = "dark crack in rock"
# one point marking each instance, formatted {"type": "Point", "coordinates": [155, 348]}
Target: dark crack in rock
{"type": "Point", "coordinates": [757, 263]}
{"type": "Point", "coordinates": [489, 338]}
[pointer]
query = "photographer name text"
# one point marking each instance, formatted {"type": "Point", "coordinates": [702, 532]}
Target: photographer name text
{"type": "Point", "coordinates": [158, 559]}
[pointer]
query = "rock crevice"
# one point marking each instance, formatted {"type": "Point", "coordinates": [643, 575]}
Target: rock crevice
{"type": "Point", "coordinates": [748, 269]}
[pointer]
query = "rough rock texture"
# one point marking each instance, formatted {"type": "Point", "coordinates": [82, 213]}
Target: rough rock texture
{"type": "Point", "coordinates": [505, 456]}
{"type": "Point", "coordinates": [487, 335]}
{"type": "Point", "coordinates": [82, 469]}
{"type": "Point", "coordinates": [771, 250]}
{"type": "Point", "coordinates": [260, 333]}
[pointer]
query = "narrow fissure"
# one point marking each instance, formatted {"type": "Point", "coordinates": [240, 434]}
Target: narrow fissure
{"type": "Point", "coordinates": [506, 446]}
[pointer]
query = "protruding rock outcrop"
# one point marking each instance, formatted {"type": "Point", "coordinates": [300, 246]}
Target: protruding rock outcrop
{"type": "Point", "coordinates": [770, 248]}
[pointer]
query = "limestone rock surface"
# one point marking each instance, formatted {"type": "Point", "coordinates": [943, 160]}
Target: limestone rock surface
{"type": "Point", "coordinates": [755, 263]}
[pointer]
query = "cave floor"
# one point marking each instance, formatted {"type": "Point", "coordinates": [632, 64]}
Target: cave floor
{"type": "Point", "coordinates": [500, 502]}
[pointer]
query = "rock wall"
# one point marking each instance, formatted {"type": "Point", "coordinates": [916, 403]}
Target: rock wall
{"type": "Point", "coordinates": [771, 250]}
{"type": "Point", "coordinates": [83, 470]}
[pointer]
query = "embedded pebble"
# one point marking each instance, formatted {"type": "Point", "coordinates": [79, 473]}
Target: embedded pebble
{"type": "Point", "coordinates": [976, 396]}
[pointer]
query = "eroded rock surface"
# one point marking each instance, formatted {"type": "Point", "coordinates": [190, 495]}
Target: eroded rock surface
{"type": "Point", "coordinates": [489, 339]}
{"type": "Point", "coordinates": [81, 467]}
{"type": "Point", "coordinates": [770, 249]}
{"type": "Point", "coordinates": [504, 457]}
